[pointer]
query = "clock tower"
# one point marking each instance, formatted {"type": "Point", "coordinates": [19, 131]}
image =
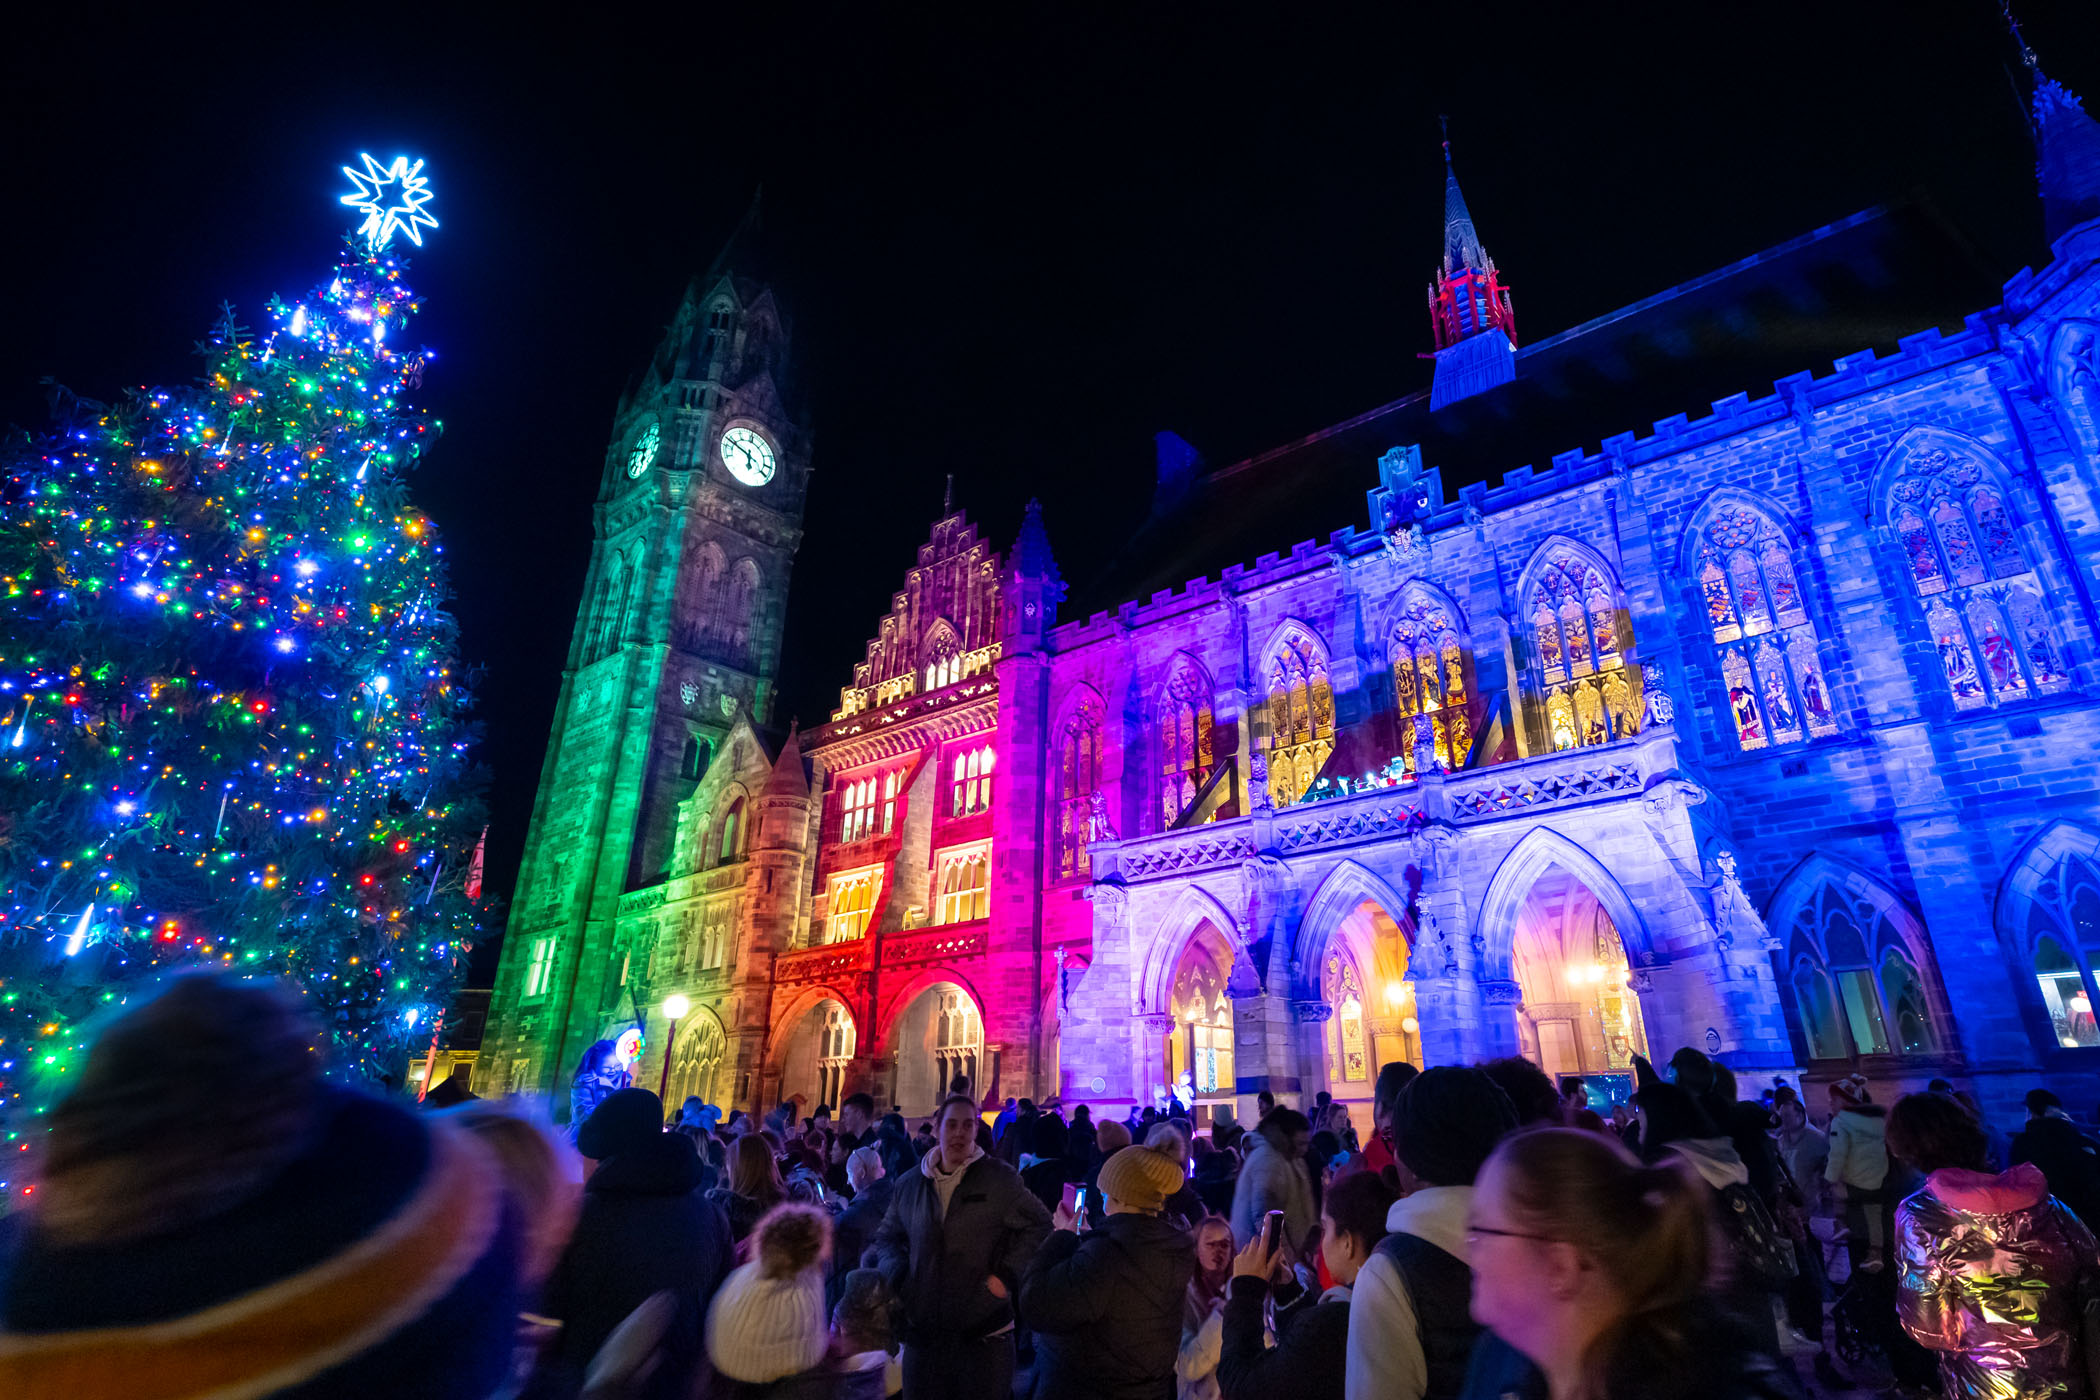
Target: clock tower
{"type": "Point", "coordinates": [698, 517]}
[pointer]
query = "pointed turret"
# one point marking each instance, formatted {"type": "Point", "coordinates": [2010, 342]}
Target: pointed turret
{"type": "Point", "coordinates": [1033, 586]}
{"type": "Point", "coordinates": [789, 779]}
{"type": "Point", "coordinates": [1462, 248]}
{"type": "Point", "coordinates": [2067, 164]}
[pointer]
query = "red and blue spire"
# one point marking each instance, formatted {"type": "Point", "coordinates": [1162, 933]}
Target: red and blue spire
{"type": "Point", "coordinates": [1468, 297]}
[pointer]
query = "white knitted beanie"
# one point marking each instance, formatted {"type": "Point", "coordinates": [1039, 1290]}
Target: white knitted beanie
{"type": "Point", "coordinates": [763, 1329]}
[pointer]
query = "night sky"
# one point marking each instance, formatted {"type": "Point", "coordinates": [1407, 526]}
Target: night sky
{"type": "Point", "coordinates": [1012, 248]}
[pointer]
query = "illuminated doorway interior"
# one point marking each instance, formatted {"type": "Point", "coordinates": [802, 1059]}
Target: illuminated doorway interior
{"type": "Point", "coordinates": [938, 1036]}
{"type": "Point", "coordinates": [1371, 1020]}
{"type": "Point", "coordinates": [814, 1061]}
{"type": "Point", "coordinates": [1196, 1055]}
{"type": "Point", "coordinates": [1580, 1013]}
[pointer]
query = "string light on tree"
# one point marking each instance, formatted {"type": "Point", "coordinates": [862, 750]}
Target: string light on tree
{"type": "Point", "coordinates": [234, 710]}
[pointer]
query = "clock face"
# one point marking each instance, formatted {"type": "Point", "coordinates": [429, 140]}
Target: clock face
{"type": "Point", "coordinates": [748, 456]}
{"type": "Point", "coordinates": [644, 451]}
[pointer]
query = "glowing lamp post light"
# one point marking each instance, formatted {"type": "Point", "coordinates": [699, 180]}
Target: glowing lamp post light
{"type": "Point", "coordinates": [675, 1008]}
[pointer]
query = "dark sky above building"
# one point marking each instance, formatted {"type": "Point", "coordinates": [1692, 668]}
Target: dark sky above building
{"type": "Point", "coordinates": [1014, 241]}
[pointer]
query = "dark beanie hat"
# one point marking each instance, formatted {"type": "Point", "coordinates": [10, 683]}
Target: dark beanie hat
{"type": "Point", "coordinates": [625, 1120]}
{"type": "Point", "coordinates": [1447, 1121]}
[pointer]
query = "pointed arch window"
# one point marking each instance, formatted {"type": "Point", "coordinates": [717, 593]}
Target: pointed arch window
{"type": "Point", "coordinates": [1582, 649]}
{"type": "Point", "coordinates": [696, 1065]}
{"type": "Point", "coordinates": [1301, 716]}
{"type": "Point", "coordinates": [1433, 676]}
{"type": "Point", "coordinates": [958, 1037]}
{"type": "Point", "coordinates": [1856, 979]}
{"type": "Point", "coordinates": [732, 846]}
{"type": "Point", "coordinates": [2063, 929]}
{"type": "Point", "coordinates": [1186, 756]}
{"type": "Point", "coordinates": [1962, 552]}
{"type": "Point", "coordinates": [835, 1043]}
{"type": "Point", "coordinates": [943, 664]}
{"type": "Point", "coordinates": [1078, 779]}
{"type": "Point", "coordinates": [1767, 648]}
{"type": "Point", "coordinates": [1199, 1049]}
{"type": "Point", "coordinates": [693, 762]}
{"type": "Point", "coordinates": [1348, 1047]}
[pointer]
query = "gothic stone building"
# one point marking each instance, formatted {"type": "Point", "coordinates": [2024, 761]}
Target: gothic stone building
{"type": "Point", "coordinates": [1771, 731]}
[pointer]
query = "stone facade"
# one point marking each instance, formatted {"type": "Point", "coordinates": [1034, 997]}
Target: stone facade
{"type": "Point", "coordinates": [1771, 733]}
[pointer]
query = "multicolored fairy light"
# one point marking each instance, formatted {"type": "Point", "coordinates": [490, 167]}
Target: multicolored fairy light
{"type": "Point", "coordinates": [234, 708]}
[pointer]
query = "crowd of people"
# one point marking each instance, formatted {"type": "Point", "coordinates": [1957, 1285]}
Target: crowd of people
{"type": "Point", "coordinates": [213, 1217]}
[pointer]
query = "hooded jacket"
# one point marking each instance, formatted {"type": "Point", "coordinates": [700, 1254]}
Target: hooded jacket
{"type": "Point", "coordinates": [2068, 1158]}
{"type": "Point", "coordinates": [1272, 1180]}
{"type": "Point", "coordinates": [1106, 1309]}
{"type": "Point", "coordinates": [936, 1260]}
{"type": "Point", "coordinates": [1984, 1273]}
{"type": "Point", "coordinates": [1859, 1154]}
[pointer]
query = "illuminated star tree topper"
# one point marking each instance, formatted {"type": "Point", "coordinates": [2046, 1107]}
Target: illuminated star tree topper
{"type": "Point", "coordinates": [391, 197]}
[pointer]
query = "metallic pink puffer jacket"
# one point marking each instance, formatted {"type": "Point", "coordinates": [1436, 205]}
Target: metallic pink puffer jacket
{"type": "Point", "coordinates": [1985, 1268]}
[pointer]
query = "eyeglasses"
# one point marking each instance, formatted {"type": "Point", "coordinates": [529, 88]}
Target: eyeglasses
{"type": "Point", "coordinates": [1474, 1231]}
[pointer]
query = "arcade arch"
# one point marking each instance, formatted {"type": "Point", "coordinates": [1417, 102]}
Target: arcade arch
{"type": "Point", "coordinates": [815, 1053]}
{"type": "Point", "coordinates": [1580, 1013]}
{"type": "Point", "coordinates": [938, 1035]}
{"type": "Point", "coordinates": [696, 1062]}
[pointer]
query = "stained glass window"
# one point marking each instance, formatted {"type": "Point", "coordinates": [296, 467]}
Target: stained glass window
{"type": "Point", "coordinates": [1185, 756]}
{"type": "Point", "coordinates": [1348, 1050]}
{"type": "Point", "coordinates": [1856, 981]}
{"type": "Point", "coordinates": [1776, 690]}
{"type": "Point", "coordinates": [1201, 1044]}
{"type": "Point", "coordinates": [1078, 778]}
{"type": "Point", "coordinates": [1301, 716]}
{"type": "Point", "coordinates": [1432, 662]}
{"type": "Point", "coordinates": [1578, 633]}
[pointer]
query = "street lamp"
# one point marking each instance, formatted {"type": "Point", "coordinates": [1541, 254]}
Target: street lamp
{"type": "Point", "coordinates": [675, 1007]}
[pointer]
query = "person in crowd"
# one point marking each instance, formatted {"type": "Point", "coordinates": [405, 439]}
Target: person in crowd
{"type": "Point", "coordinates": [1857, 1168]}
{"type": "Point", "coordinates": [767, 1336]}
{"type": "Point", "coordinates": [1758, 1261]}
{"type": "Point", "coordinates": [1590, 1269]}
{"type": "Point", "coordinates": [861, 1323]}
{"type": "Point", "coordinates": [854, 1232]}
{"type": "Point", "coordinates": [1803, 1153]}
{"type": "Point", "coordinates": [1310, 1358]}
{"type": "Point", "coordinates": [2068, 1159]}
{"type": "Point", "coordinates": [209, 1207]}
{"type": "Point", "coordinates": [1274, 1177]}
{"type": "Point", "coordinates": [1216, 1175]}
{"type": "Point", "coordinates": [1005, 1118]}
{"type": "Point", "coordinates": [1574, 1098]}
{"type": "Point", "coordinates": [1202, 1318]}
{"type": "Point", "coordinates": [1409, 1331]}
{"type": "Point", "coordinates": [1081, 1136]}
{"type": "Point", "coordinates": [1047, 1175]}
{"type": "Point", "coordinates": [645, 1228]}
{"type": "Point", "coordinates": [1998, 1145]}
{"type": "Point", "coordinates": [1109, 1139]}
{"type": "Point", "coordinates": [1392, 1078]}
{"type": "Point", "coordinates": [1529, 1090]}
{"type": "Point", "coordinates": [1225, 1129]}
{"type": "Point", "coordinates": [542, 1175]}
{"type": "Point", "coordinates": [754, 1185]}
{"type": "Point", "coordinates": [1106, 1306]}
{"type": "Point", "coordinates": [960, 1233]}
{"type": "Point", "coordinates": [1987, 1266]}
{"type": "Point", "coordinates": [893, 1140]}
{"type": "Point", "coordinates": [1185, 1207]}
{"type": "Point", "coordinates": [1264, 1105]}
{"type": "Point", "coordinates": [599, 1075]}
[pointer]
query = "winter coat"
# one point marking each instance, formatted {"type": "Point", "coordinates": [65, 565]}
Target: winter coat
{"type": "Point", "coordinates": [1310, 1358]}
{"type": "Point", "coordinates": [644, 1227]}
{"type": "Point", "coordinates": [853, 1233]}
{"type": "Point", "coordinates": [1106, 1309]}
{"type": "Point", "coordinates": [1272, 1180]}
{"type": "Point", "coordinates": [936, 1263]}
{"type": "Point", "coordinates": [2068, 1158]}
{"type": "Point", "coordinates": [1720, 1359]}
{"type": "Point", "coordinates": [1985, 1267]}
{"type": "Point", "coordinates": [1202, 1339]}
{"type": "Point", "coordinates": [1401, 1346]}
{"type": "Point", "coordinates": [742, 1212]}
{"type": "Point", "coordinates": [1859, 1154]}
{"type": "Point", "coordinates": [850, 1378]}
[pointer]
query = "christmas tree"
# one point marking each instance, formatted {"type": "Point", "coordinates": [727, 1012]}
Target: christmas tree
{"type": "Point", "coordinates": [234, 710]}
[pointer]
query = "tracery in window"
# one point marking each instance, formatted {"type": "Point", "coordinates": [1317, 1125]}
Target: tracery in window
{"type": "Point", "coordinates": [835, 1042]}
{"type": "Point", "coordinates": [962, 884]}
{"type": "Point", "coordinates": [1301, 715]}
{"type": "Point", "coordinates": [970, 792]}
{"type": "Point", "coordinates": [732, 847]}
{"type": "Point", "coordinates": [943, 665]}
{"type": "Point", "coordinates": [851, 903]}
{"type": "Point", "coordinates": [1770, 667]}
{"type": "Point", "coordinates": [1857, 987]}
{"type": "Point", "coordinates": [1432, 675]}
{"type": "Point", "coordinates": [1078, 779]}
{"type": "Point", "coordinates": [1962, 552]}
{"type": "Point", "coordinates": [1581, 643]}
{"type": "Point", "coordinates": [1186, 758]}
{"type": "Point", "coordinates": [2062, 925]}
{"type": "Point", "coordinates": [958, 1036]}
{"type": "Point", "coordinates": [1199, 1049]}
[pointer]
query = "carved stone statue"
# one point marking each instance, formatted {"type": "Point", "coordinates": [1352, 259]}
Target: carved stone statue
{"type": "Point", "coordinates": [1098, 827]}
{"type": "Point", "coordinates": [1659, 706]}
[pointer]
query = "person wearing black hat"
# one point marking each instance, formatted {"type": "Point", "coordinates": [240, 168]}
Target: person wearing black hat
{"type": "Point", "coordinates": [1410, 1325]}
{"type": "Point", "coordinates": [212, 1217]}
{"type": "Point", "coordinates": [645, 1228]}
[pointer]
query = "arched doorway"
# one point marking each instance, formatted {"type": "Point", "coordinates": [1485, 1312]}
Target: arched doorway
{"type": "Point", "coordinates": [1195, 1056]}
{"type": "Point", "coordinates": [814, 1059]}
{"type": "Point", "coordinates": [696, 1062]}
{"type": "Point", "coordinates": [939, 1035]}
{"type": "Point", "coordinates": [1372, 1018]}
{"type": "Point", "coordinates": [1580, 1014]}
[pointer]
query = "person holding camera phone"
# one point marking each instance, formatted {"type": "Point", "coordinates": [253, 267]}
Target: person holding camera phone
{"type": "Point", "coordinates": [1106, 1305]}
